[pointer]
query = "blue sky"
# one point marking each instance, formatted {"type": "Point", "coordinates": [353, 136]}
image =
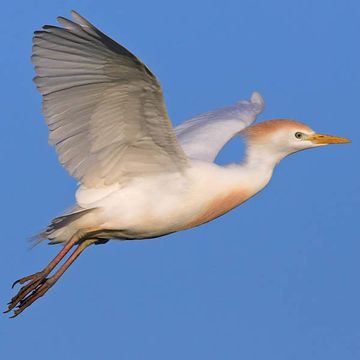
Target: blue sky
{"type": "Point", "coordinates": [276, 278]}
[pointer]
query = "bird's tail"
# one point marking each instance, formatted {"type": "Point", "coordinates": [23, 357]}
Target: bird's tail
{"type": "Point", "coordinates": [62, 227]}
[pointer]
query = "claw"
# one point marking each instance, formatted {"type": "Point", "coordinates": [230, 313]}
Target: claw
{"type": "Point", "coordinates": [14, 283]}
{"type": "Point", "coordinates": [40, 283]}
{"type": "Point", "coordinates": [27, 278]}
{"type": "Point", "coordinates": [36, 294]}
{"type": "Point", "coordinates": [36, 280]}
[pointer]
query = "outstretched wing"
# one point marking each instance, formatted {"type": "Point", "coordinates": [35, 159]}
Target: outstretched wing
{"type": "Point", "coordinates": [104, 108]}
{"type": "Point", "coordinates": [203, 136]}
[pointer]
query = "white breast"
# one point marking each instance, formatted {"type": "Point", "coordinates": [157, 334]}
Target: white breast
{"type": "Point", "coordinates": [152, 206]}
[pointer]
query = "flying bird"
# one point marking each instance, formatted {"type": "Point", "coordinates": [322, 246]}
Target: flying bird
{"type": "Point", "coordinates": [139, 178]}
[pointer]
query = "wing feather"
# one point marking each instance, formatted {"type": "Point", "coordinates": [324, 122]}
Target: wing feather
{"type": "Point", "coordinates": [104, 108]}
{"type": "Point", "coordinates": [203, 136]}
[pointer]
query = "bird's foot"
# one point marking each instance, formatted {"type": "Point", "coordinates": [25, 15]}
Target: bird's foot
{"type": "Point", "coordinates": [35, 282]}
{"type": "Point", "coordinates": [39, 283]}
{"type": "Point", "coordinates": [26, 300]}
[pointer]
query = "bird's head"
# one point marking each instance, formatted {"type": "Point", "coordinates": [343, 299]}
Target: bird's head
{"type": "Point", "coordinates": [283, 137]}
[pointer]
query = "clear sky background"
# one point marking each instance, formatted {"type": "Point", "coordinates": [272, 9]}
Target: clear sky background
{"type": "Point", "coordinates": [277, 278]}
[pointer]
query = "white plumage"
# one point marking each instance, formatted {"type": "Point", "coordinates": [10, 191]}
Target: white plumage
{"type": "Point", "coordinates": [203, 136]}
{"type": "Point", "coordinates": [138, 177]}
{"type": "Point", "coordinates": [104, 107]}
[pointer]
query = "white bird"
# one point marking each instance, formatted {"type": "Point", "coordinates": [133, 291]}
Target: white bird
{"type": "Point", "coordinates": [138, 177]}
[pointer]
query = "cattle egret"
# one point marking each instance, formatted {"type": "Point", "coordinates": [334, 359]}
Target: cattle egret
{"type": "Point", "coordinates": [138, 177]}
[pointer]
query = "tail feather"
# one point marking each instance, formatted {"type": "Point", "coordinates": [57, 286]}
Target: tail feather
{"type": "Point", "coordinates": [60, 227]}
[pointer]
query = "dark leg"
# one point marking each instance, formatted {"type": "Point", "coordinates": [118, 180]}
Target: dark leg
{"type": "Point", "coordinates": [47, 283]}
{"type": "Point", "coordinates": [37, 279]}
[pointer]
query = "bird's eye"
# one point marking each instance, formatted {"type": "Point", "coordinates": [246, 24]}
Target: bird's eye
{"type": "Point", "coordinates": [299, 135]}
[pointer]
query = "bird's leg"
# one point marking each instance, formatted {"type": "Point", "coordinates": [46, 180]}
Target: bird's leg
{"type": "Point", "coordinates": [37, 278]}
{"type": "Point", "coordinates": [46, 271]}
{"type": "Point", "coordinates": [47, 283]}
{"type": "Point", "coordinates": [40, 277]}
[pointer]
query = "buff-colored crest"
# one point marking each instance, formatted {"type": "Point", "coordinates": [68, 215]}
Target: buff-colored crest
{"type": "Point", "coordinates": [261, 132]}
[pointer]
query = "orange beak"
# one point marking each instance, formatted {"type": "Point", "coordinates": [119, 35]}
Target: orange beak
{"type": "Point", "coordinates": [327, 139]}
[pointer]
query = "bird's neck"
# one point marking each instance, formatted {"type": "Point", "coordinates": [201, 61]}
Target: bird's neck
{"type": "Point", "coordinates": [258, 165]}
{"type": "Point", "coordinates": [261, 156]}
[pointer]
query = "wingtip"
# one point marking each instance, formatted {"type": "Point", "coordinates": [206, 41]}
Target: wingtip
{"type": "Point", "coordinates": [74, 13]}
{"type": "Point", "coordinates": [258, 100]}
{"type": "Point", "coordinates": [80, 19]}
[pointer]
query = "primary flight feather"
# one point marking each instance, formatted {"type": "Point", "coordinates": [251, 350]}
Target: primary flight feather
{"type": "Point", "coordinates": [138, 177]}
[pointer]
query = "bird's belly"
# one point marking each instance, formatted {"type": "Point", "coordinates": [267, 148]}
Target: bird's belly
{"type": "Point", "coordinates": [158, 219]}
{"type": "Point", "coordinates": [161, 206]}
